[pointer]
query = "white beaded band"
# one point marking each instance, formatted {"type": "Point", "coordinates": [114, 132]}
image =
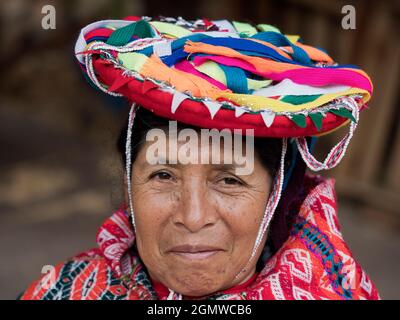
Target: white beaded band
{"type": "Point", "coordinates": [338, 151]}
{"type": "Point", "coordinates": [128, 159]}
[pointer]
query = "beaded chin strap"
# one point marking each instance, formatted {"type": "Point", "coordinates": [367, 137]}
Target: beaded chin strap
{"type": "Point", "coordinates": [338, 151]}
{"type": "Point", "coordinates": [128, 159]}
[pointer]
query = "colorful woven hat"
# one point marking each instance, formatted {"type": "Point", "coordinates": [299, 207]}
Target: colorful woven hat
{"type": "Point", "coordinates": [221, 74]}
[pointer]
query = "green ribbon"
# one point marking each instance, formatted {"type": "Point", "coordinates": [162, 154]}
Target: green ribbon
{"type": "Point", "coordinates": [122, 36]}
{"type": "Point", "coordinates": [296, 100]}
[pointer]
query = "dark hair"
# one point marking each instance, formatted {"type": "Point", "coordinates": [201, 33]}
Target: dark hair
{"type": "Point", "coordinates": [269, 151]}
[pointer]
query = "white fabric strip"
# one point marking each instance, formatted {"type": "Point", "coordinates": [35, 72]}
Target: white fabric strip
{"type": "Point", "coordinates": [162, 48]}
{"type": "Point", "coordinates": [217, 34]}
{"type": "Point", "coordinates": [225, 25]}
{"type": "Point", "coordinates": [288, 87]}
{"type": "Point", "coordinates": [81, 42]}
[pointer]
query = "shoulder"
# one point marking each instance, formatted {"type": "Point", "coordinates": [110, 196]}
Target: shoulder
{"type": "Point", "coordinates": [317, 230]}
{"type": "Point", "coordinates": [320, 205]}
{"type": "Point", "coordinates": [85, 276]}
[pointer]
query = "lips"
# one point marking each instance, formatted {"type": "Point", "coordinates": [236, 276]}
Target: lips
{"type": "Point", "coordinates": [195, 252]}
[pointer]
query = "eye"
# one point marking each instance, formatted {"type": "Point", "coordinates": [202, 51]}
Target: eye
{"type": "Point", "coordinates": [232, 181]}
{"type": "Point", "coordinates": [161, 175]}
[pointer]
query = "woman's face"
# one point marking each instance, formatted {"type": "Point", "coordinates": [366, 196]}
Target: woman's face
{"type": "Point", "coordinates": [196, 224]}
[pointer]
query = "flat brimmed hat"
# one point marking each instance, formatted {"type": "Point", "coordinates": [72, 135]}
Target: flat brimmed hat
{"type": "Point", "coordinates": [217, 74]}
{"type": "Point", "coordinates": [222, 74]}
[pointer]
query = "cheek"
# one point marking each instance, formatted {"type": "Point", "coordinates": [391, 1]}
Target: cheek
{"type": "Point", "coordinates": [242, 214]}
{"type": "Point", "coordinates": [152, 212]}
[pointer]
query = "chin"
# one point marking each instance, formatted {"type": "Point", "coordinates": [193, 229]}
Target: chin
{"type": "Point", "coordinates": [196, 284]}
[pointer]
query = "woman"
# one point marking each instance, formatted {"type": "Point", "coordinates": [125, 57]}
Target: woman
{"type": "Point", "coordinates": [250, 226]}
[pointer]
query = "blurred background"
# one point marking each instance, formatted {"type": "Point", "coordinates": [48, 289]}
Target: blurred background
{"type": "Point", "coordinates": [60, 175]}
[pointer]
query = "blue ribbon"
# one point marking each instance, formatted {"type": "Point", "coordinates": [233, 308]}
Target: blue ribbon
{"type": "Point", "coordinates": [279, 40]}
{"type": "Point", "coordinates": [235, 79]}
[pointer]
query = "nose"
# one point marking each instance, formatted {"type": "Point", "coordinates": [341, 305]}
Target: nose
{"type": "Point", "coordinates": [195, 211]}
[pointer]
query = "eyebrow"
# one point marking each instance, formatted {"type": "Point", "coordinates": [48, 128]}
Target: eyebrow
{"type": "Point", "coordinates": [165, 162]}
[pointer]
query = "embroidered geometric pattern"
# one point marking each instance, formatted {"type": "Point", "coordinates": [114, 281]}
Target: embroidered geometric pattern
{"type": "Point", "coordinates": [319, 244]}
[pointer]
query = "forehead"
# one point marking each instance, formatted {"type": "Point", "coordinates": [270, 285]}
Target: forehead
{"type": "Point", "coordinates": [203, 146]}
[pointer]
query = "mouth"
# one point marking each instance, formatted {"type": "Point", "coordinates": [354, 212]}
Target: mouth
{"type": "Point", "coordinates": [198, 252]}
